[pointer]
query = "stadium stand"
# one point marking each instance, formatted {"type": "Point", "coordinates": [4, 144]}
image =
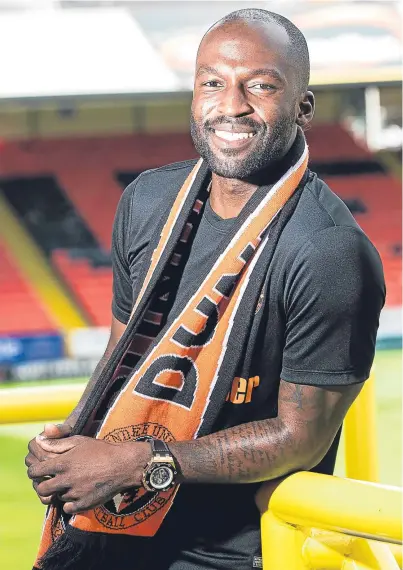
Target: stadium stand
{"type": "Point", "coordinates": [47, 214]}
{"type": "Point", "coordinates": [66, 192]}
{"type": "Point", "coordinates": [382, 197]}
{"type": "Point", "coordinates": [21, 311]}
{"type": "Point", "coordinates": [92, 285]}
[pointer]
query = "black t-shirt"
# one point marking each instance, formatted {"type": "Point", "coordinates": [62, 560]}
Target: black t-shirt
{"type": "Point", "coordinates": [315, 323]}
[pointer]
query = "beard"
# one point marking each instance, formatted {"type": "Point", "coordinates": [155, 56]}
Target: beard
{"type": "Point", "coordinates": [269, 145]}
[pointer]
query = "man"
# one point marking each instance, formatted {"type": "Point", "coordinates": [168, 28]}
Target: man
{"type": "Point", "coordinates": [301, 358]}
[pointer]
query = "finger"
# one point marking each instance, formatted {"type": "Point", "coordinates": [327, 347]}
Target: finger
{"type": "Point", "coordinates": [74, 507]}
{"type": "Point", "coordinates": [36, 450]}
{"type": "Point", "coordinates": [30, 460]}
{"type": "Point", "coordinates": [68, 496]}
{"type": "Point", "coordinates": [51, 486]}
{"type": "Point", "coordinates": [44, 500]}
{"type": "Point", "coordinates": [44, 468]}
{"type": "Point", "coordinates": [60, 445]}
{"type": "Point", "coordinates": [56, 431]}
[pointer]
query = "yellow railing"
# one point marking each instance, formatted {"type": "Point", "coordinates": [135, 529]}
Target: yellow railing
{"type": "Point", "coordinates": [39, 403]}
{"type": "Point", "coordinates": [322, 522]}
{"type": "Point", "coordinates": [313, 522]}
{"type": "Point", "coordinates": [360, 436]}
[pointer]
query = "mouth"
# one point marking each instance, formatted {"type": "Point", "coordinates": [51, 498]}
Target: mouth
{"type": "Point", "coordinates": [231, 139]}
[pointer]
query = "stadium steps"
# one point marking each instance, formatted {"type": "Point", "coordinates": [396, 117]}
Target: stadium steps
{"type": "Point", "coordinates": [92, 172]}
{"type": "Point", "coordinates": [22, 311]}
{"type": "Point", "coordinates": [37, 271]}
{"type": "Point", "coordinates": [96, 195]}
{"type": "Point", "coordinates": [333, 143]}
{"type": "Point", "coordinates": [382, 222]}
{"type": "Point", "coordinates": [92, 286]}
{"type": "Point", "coordinates": [47, 214]}
{"type": "Point", "coordinates": [54, 224]}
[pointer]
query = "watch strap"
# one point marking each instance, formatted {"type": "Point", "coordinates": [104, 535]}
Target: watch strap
{"type": "Point", "coordinates": [160, 448]}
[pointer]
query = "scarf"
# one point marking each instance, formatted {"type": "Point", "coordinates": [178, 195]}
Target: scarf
{"type": "Point", "coordinates": [168, 378]}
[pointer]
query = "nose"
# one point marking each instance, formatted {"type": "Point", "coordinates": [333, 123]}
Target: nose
{"type": "Point", "coordinates": [234, 102]}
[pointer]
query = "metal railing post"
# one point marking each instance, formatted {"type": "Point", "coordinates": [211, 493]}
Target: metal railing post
{"type": "Point", "coordinates": [360, 436]}
{"type": "Point", "coordinates": [281, 544]}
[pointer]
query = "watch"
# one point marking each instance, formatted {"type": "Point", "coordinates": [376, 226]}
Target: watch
{"type": "Point", "coordinates": [160, 472]}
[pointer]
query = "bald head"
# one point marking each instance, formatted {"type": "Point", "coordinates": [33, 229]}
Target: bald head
{"type": "Point", "coordinates": [250, 92]}
{"type": "Point", "coordinates": [297, 48]}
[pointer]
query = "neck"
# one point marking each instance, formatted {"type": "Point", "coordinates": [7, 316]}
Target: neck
{"type": "Point", "coordinates": [229, 195]}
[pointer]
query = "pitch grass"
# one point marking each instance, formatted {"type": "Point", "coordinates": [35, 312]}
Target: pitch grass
{"type": "Point", "coordinates": [21, 514]}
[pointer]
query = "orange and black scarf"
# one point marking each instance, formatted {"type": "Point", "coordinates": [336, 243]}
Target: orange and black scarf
{"type": "Point", "coordinates": [168, 379]}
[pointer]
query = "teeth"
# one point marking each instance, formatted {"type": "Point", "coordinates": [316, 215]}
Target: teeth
{"type": "Point", "coordinates": [228, 136]}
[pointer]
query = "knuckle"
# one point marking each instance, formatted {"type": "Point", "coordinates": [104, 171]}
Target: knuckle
{"type": "Point", "coordinates": [59, 468]}
{"type": "Point", "coordinates": [66, 429]}
{"type": "Point", "coordinates": [31, 471]}
{"type": "Point", "coordinates": [30, 460]}
{"type": "Point", "coordinates": [41, 489]}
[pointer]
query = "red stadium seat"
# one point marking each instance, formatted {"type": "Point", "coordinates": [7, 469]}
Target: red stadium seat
{"type": "Point", "coordinates": [21, 310]}
{"type": "Point", "coordinates": [331, 143]}
{"type": "Point", "coordinates": [86, 170]}
{"type": "Point", "coordinates": [382, 222]}
{"type": "Point", "coordinates": [92, 287]}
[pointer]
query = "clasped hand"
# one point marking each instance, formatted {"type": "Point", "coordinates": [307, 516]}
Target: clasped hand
{"type": "Point", "coordinates": [81, 471]}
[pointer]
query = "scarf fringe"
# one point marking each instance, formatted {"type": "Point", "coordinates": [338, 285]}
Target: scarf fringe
{"type": "Point", "coordinates": [66, 554]}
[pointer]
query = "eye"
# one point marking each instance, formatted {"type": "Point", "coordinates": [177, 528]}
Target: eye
{"type": "Point", "coordinates": [212, 84]}
{"type": "Point", "coordinates": [263, 87]}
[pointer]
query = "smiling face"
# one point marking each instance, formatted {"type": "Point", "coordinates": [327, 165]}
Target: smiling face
{"type": "Point", "coordinates": [247, 99]}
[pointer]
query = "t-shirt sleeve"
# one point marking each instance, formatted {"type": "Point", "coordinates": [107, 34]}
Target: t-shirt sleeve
{"type": "Point", "coordinates": [334, 294]}
{"type": "Point", "coordinates": [122, 299]}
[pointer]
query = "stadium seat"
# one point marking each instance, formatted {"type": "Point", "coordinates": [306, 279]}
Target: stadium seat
{"type": "Point", "coordinates": [91, 173]}
{"type": "Point", "coordinates": [91, 286]}
{"type": "Point", "coordinates": [332, 143]}
{"type": "Point", "coordinates": [21, 311]}
{"type": "Point", "coordinates": [381, 221]}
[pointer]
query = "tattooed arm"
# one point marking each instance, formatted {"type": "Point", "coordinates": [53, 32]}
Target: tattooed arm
{"type": "Point", "coordinates": [308, 419]}
{"type": "Point", "coordinates": [297, 439]}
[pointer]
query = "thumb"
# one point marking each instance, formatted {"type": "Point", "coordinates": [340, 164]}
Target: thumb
{"type": "Point", "coordinates": [60, 445]}
{"type": "Point", "coordinates": [55, 431]}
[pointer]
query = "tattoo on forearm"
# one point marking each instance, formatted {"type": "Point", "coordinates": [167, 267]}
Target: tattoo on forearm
{"type": "Point", "coordinates": [307, 421]}
{"type": "Point", "coordinates": [296, 397]}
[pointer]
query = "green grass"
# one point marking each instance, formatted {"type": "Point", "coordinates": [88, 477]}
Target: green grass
{"type": "Point", "coordinates": [21, 514]}
{"type": "Point", "coordinates": [388, 388]}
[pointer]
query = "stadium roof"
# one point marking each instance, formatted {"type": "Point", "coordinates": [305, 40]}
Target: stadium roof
{"type": "Point", "coordinates": [54, 53]}
{"type": "Point", "coordinates": [350, 42]}
{"type": "Point", "coordinates": [150, 47]}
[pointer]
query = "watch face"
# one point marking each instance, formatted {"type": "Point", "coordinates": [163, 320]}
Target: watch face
{"type": "Point", "coordinates": [161, 477]}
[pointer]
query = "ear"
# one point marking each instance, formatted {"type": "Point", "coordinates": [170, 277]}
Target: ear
{"type": "Point", "coordinates": [306, 109]}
